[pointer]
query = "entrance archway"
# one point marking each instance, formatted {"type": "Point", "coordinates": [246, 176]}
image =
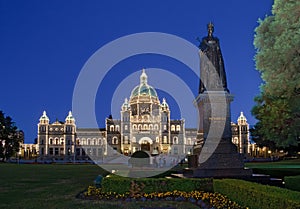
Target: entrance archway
{"type": "Point", "coordinates": [145, 143]}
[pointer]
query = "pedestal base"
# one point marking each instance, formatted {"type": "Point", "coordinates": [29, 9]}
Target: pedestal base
{"type": "Point", "coordinates": [222, 162]}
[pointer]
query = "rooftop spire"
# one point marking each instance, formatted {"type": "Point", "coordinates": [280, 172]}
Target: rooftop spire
{"type": "Point", "coordinates": [143, 78]}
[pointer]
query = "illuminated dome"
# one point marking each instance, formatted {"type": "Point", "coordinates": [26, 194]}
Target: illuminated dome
{"type": "Point", "coordinates": [143, 89]}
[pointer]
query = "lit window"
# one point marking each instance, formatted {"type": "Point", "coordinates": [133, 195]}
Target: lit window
{"type": "Point", "coordinates": [126, 140]}
{"type": "Point", "coordinates": [165, 140]}
{"type": "Point", "coordinates": [150, 126]}
{"type": "Point", "coordinates": [173, 128]}
{"type": "Point", "coordinates": [175, 140]}
{"type": "Point", "coordinates": [157, 139]}
{"type": "Point", "coordinates": [133, 139]}
{"type": "Point", "coordinates": [115, 140]}
{"type": "Point", "coordinates": [178, 128]}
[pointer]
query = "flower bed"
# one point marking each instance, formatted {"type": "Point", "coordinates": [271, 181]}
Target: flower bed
{"type": "Point", "coordinates": [202, 199]}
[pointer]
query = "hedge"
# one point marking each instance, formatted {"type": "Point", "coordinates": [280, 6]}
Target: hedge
{"type": "Point", "coordinates": [122, 185]}
{"type": "Point", "coordinates": [257, 196]}
{"type": "Point", "coordinates": [292, 182]}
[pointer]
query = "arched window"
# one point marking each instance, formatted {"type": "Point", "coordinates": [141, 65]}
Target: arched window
{"type": "Point", "coordinates": [175, 140]}
{"type": "Point", "coordinates": [83, 141]}
{"type": "Point", "coordinates": [117, 128]}
{"type": "Point", "coordinates": [99, 142]}
{"type": "Point", "coordinates": [50, 141]}
{"type": "Point", "coordinates": [115, 140]}
{"type": "Point", "coordinates": [156, 127]}
{"type": "Point", "coordinates": [140, 127]}
{"type": "Point", "coordinates": [88, 141]}
{"type": "Point", "coordinates": [178, 128]}
{"type": "Point", "coordinates": [157, 139]}
{"type": "Point", "coordinates": [62, 141]}
{"type": "Point", "coordinates": [151, 127]}
{"type": "Point", "coordinates": [56, 141]}
{"type": "Point", "coordinates": [165, 127]}
{"type": "Point", "coordinates": [125, 127]}
{"type": "Point", "coordinates": [134, 127]}
{"type": "Point", "coordinates": [172, 127]}
{"type": "Point", "coordinates": [111, 128]}
{"type": "Point", "coordinates": [145, 127]}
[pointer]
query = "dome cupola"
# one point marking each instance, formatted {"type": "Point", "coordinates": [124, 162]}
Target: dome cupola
{"type": "Point", "coordinates": [242, 119]}
{"type": "Point", "coordinates": [44, 118]}
{"type": "Point", "coordinates": [143, 89]}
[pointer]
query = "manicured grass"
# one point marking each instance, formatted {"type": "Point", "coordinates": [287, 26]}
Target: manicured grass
{"type": "Point", "coordinates": [278, 169]}
{"type": "Point", "coordinates": [56, 186]}
{"type": "Point", "coordinates": [295, 163]}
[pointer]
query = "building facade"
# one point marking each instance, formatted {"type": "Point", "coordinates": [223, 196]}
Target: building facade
{"type": "Point", "coordinates": [144, 124]}
{"type": "Point", "coordinates": [241, 135]}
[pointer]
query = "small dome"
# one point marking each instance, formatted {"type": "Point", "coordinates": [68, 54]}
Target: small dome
{"type": "Point", "coordinates": [125, 105]}
{"type": "Point", "coordinates": [70, 117]}
{"type": "Point", "coordinates": [143, 89]}
{"type": "Point", "coordinates": [44, 117]}
{"type": "Point", "coordinates": [242, 119]}
{"type": "Point", "coordinates": [164, 104]}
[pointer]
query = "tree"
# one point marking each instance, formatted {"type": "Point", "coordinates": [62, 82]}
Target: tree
{"type": "Point", "coordinates": [10, 137]}
{"type": "Point", "coordinates": [277, 108]}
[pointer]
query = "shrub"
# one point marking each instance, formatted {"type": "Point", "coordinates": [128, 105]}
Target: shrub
{"type": "Point", "coordinates": [122, 185]}
{"type": "Point", "coordinates": [257, 196]}
{"type": "Point", "coordinates": [292, 182]}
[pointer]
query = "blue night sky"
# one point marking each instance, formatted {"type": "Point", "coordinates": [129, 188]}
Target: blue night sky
{"type": "Point", "coordinates": [45, 44]}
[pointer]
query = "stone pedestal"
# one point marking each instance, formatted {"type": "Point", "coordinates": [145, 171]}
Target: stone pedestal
{"type": "Point", "coordinates": [218, 156]}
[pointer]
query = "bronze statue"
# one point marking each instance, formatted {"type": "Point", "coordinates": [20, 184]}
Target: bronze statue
{"type": "Point", "coordinates": [213, 76]}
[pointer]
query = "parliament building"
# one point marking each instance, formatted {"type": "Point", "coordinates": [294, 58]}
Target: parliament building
{"type": "Point", "coordinates": [144, 124]}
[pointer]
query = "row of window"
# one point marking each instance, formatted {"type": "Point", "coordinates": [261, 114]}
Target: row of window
{"type": "Point", "coordinates": [88, 141]}
{"type": "Point", "coordinates": [126, 140]}
{"type": "Point", "coordinates": [68, 129]}
{"type": "Point", "coordinates": [140, 127]}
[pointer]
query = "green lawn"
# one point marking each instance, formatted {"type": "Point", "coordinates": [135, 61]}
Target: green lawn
{"type": "Point", "coordinates": [278, 169]}
{"type": "Point", "coordinates": [55, 186]}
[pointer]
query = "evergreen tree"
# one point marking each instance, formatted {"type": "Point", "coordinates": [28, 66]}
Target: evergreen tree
{"type": "Point", "coordinates": [10, 137]}
{"type": "Point", "coordinates": [277, 41]}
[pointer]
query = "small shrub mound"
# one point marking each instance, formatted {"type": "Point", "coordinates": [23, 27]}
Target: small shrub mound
{"type": "Point", "coordinates": [292, 182]}
{"type": "Point", "coordinates": [200, 198]}
{"type": "Point", "coordinates": [258, 196]}
{"type": "Point", "coordinates": [122, 185]}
